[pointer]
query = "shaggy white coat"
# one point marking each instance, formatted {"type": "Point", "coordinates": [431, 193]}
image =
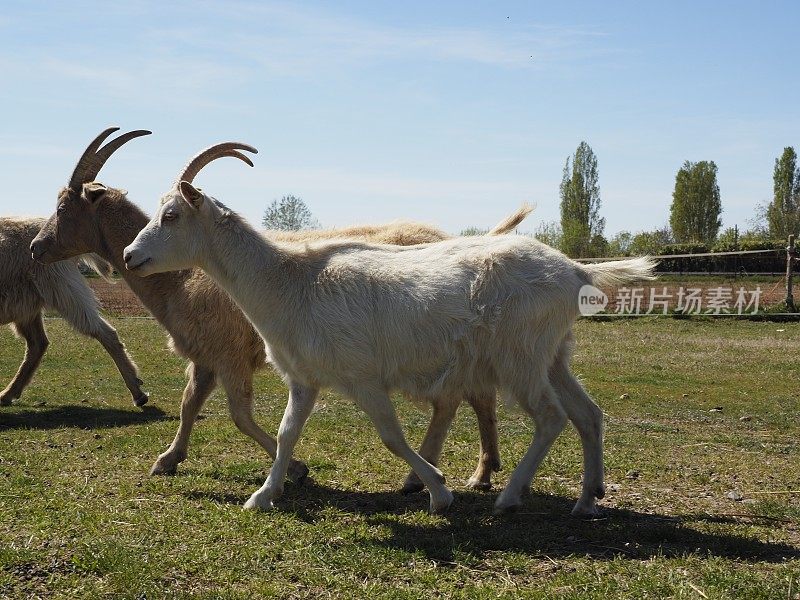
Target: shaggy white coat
{"type": "Point", "coordinates": [468, 315]}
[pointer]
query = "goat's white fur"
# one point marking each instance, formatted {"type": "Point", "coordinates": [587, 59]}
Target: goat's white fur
{"type": "Point", "coordinates": [435, 321]}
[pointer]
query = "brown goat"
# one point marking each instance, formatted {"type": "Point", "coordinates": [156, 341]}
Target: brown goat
{"type": "Point", "coordinates": [28, 287]}
{"type": "Point", "coordinates": [397, 234]}
{"type": "Point", "coordinates": [204, 324]}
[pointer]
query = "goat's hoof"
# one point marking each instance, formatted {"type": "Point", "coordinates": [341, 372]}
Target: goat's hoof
{"type": "Point", "coordinates": [412, 485]}
{"type": "Point", "coordinates": [505, 509]}
{"type": "Point", "coordinates": [164, 469]}
{"type": "Point", "coordinates": [475, 483]}
{"type": "Point", "coordinates": [506, 503]}
{"type": "Point", "coordinates": [600, 492]}
{"type": "Point", "coordinates": [139, 382]}
{"type": "Point", "coordinates": [141, 400]}
{"type": "Point", "coordinates": [6, 399]}
{"type": "Point", "coordinates": [586, 511]}
{"type": "Point", "coordinates": [297, 472]}
{"type": "Point", "coordinates": [167, 464]}
{"type": "Point", "coordinates": [440, 505]}
{"type": "Point", "coordinates": [257, 503]}
{"type": "Point", "coordinates": [262, 497]}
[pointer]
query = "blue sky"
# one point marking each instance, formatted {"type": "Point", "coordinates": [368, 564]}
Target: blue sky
{"type": "Point", "coordinates": [450, 113]}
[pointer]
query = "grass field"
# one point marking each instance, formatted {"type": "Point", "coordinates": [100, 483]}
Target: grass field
{"type": "Point", "coordinates": [703, 423]}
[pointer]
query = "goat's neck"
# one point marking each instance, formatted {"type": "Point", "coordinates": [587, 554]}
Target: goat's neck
{"type": "Point", "coordinates": [119, 223]}
{"type": "Point", "coordinates": [265, 280]}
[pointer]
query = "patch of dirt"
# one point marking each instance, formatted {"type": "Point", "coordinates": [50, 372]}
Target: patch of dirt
{"type": "Point", "coordinates": [117, 298]}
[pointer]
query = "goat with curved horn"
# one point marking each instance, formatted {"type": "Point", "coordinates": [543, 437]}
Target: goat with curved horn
{"type": "Point", "coordinates": [94, 157]}
{"type": "Point", "coordinates": [43, 278]}
{"type": "Point", "coordinates": [201, 159]}
{"type": "Point", "coordinates": [208, 329]}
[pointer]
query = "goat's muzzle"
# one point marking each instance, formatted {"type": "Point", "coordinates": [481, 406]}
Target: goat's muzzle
{"type": "Point", "coordinates": [38, 249]}
{"type": "Point", "coordinates": [134, 261]}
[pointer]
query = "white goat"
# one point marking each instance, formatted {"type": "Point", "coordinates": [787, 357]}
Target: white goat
{"type": "Point", "coordinates": [436, 321]}
{"type": "Point", "coordinates": [28, 287]}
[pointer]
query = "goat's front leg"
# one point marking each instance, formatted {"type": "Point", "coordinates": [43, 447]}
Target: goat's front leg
{"type": "Point", "coordinates": [298, 409]}
{"type": "Point", "coordinates": [444, 411]}
{"type": "Point", "coordinates": [199, 387]}
{"type": "Point", "coordinates": [485, 407]}
{"type": "Point", "coordinates": [379, 408]}
{"type": "Point", "coordinates": [107, 336]}
{"type": "Point", "coordinates": [36, 343]}
{"type": "Point", "coordinates": [240, 402]}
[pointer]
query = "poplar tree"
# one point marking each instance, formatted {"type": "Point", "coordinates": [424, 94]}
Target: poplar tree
{"type": "Point", "coordinates": [696, 203]}
{"type": "Point", "coordinates": [581, 223]}
{"type": "Point", "coordinates": [783, 213]}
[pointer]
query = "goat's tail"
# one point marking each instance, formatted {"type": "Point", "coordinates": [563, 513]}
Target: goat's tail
{"type": "Point", "coordinates": [618, 272]}
{"type": "Point", "coordinates": [510, 223]}
{"type": "Point", "coordinates": [98, 265]}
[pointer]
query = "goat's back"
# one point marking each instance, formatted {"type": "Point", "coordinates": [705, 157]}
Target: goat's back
{"type": "Point", "coordinates": [27, 286]}
{"type": "Point", "coordinates": [207, 327]}
{"type": "Point", "coordinates": [397, 234]}
{"type": "Point", "coordinates": [431, 319]}
{"type": "Point", "coordinates": [19, 297]}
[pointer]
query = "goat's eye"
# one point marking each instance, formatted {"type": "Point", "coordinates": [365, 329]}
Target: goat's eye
{"type": "Point", "coordinates": [169, 216]}
{"type": "Point", "coordinates": [61, 208]}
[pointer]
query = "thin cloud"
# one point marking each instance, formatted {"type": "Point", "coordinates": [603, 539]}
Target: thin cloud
{"type": "Point", "coordinates": [391, 185]}
{"type": "Point", "coordinates": [192, 64]}
{"type": "Point", "coordinates": [296, 42]}
{"type": "Point", "coordinates": [149, 81]}
{"type": "Point", "coordinates": [382, 196]}
{"type": "Point", "coordinates": [17, 146]}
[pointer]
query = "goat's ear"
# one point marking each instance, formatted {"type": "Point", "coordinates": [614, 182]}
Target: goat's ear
{"type": "Point", "coordinates": [94, 191]}
{"type": "Point", "coordinates": [191, 194]}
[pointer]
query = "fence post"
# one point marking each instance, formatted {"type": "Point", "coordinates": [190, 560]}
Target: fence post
{"type": "Point", "coordinates": [791, 252]}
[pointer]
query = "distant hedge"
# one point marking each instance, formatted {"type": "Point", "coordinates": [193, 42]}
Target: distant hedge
{"type": "Point", "coordinates": [772, 262]}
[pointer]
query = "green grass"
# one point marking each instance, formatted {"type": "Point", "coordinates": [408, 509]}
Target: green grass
{"type": "Point", "coordinates": [80, 517]}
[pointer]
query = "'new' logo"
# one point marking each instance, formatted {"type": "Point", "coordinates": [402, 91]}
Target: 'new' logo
{"type": "Point", "coordinates": [591, 300]}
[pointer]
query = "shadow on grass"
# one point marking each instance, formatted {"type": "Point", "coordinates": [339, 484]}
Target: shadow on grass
{"type": "Point", "coordinates": [543, 526]}
{"type": "Point", "coordinates": [85, 417]}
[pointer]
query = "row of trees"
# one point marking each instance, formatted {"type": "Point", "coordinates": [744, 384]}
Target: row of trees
{"type": "Point", "coordinates": [694, 215]}
{"type": "Point", "coordinates": [694, 222]}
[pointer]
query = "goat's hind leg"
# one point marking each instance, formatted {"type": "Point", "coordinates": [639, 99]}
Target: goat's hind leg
{"type": "Point", "coordinates": [202, 382]}
{"type": "Point", "coordinates": [36, 343]}
{"type": "Point", "coordinates": [544, 407]}
{"type": "Point", "coordinates": [587, 418]}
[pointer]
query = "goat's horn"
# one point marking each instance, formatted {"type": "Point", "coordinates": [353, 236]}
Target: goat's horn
{"type": "Point", "coordinates": [211, 153]}
{"type": "Point", "coordinates": [94, 157]}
